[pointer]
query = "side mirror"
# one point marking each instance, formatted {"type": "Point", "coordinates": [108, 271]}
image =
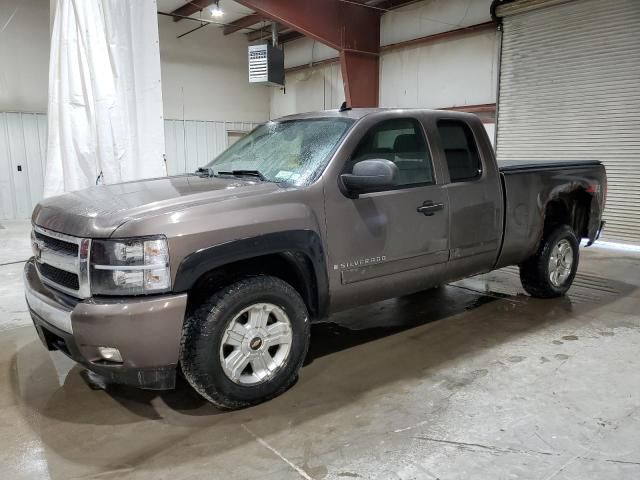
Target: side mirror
{"type": "Point", "coordinates": [370, 175]}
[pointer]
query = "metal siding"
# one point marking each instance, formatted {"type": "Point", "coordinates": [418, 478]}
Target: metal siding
{"type": "Point", "coordinates": [570, 90]}
{"type": "Point", "coordinates": [34, 170]}
{"type": "Point", "coordinates": [23, 141]}
{"type": "Point", "coordinates": [437, 74]}
{"type": "Point", "coordinates": [7, 190]}
{"type": "Point", "coordinates": [190, 144]}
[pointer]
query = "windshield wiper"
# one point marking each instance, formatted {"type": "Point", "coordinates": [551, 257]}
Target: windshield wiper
{"type": "Point", "coordinates": [205, 172]}
{"type": "Point", "coordinates": [244, 173]}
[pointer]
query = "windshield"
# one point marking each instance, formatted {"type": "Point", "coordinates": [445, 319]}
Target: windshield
{"type": "Point", "coordinates": [290, 151]}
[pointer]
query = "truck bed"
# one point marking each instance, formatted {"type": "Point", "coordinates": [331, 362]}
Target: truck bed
{"type": "Point", "coordinates": [513, 166]}
{"type": "Point", "coordinates": [528, 188]}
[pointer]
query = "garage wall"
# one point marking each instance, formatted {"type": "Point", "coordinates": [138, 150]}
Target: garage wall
{"type": "Point", "coordinates": [315, 88]}
{"type": "Point", "coordinates": [189, 144]}
{"type": "Point", "coordinates": [24, 55]}
{"type": "Point", "coordinates": [192, 144]}
{"type": "Point", "coordinates": [305, 51]}
{"type": "Point", "coordinates": [205, 87]}
{"type": "Point", "coordinates": [205, 75]}
{"type": "Point", "coordinates": [430, 17]}
{"type": "Point", "coordinates": [448, 72]}
{"type": "Point", "coordinates": [23, 153]}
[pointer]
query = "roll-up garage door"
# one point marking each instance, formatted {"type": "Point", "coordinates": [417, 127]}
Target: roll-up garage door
{"type": "Point", "coordinates": [570, 90]}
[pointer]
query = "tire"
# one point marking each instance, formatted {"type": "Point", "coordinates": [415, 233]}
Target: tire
{"type": "Point", "coordinates": [226, 361]}
{"type": "Point", "coordinates": [536, 272]}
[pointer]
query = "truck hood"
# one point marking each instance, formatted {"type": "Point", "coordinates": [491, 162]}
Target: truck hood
{"type": "Point", "coordinates": [96, 212]}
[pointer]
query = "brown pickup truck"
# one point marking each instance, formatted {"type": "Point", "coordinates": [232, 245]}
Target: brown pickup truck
{"type": "Point", "coordinates": [219, 273]}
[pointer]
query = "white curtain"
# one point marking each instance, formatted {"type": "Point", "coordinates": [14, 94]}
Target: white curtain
{"type": "Point", "coordinates": [105, 97]}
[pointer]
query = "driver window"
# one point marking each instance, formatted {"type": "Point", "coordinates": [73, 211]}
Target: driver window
{"type": "Point", "coordinates": [400, 141]}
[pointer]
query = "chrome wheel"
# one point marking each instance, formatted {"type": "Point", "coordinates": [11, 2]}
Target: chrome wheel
{"type": "Point", "coordinates": [256, 344]}
{"type": "Point", "coordinates": [560, 263]}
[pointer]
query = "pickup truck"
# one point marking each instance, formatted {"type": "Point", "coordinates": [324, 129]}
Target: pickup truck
{"type": "Point", "coordinates": [217, 275]}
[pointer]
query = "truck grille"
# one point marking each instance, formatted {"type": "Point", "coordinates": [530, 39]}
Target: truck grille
{"type": "Point", "coordinates": [58, 245]}
{"type": "Point", "coordinates": [60, 277]}
{"type": "Point", "coordinates": [62, 261]}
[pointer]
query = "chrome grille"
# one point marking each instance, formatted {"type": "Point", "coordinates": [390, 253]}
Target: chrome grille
{"type": "Point", "coordinates": [62, 261]}
{"type": "Point", "coordinates": [58, 245]}
{"type": "Point", "coordinates": [59, 277]}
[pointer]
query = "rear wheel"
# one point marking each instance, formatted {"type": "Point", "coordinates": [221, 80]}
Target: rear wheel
{"type": "Point", "coordinates": [246, 344]}
{"type": "Point", "coordinates": [550, 272]}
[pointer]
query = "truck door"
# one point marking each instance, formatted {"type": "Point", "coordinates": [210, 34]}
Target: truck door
{"type": "Point", "coordinates": [393, 241]}
{"type": "Point", "coordinates": [475, 196]}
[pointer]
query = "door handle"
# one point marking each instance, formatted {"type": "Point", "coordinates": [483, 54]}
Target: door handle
{"type": "Point", "coordinates": [428, 208]}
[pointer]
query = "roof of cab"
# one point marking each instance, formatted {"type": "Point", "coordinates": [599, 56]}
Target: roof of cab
{"type": "Point", "coordinates": [358, 113]}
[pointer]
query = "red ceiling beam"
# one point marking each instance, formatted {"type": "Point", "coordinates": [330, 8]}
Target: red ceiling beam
{"type": "Point", "coordinates": [350, 28]}
{"type": "Point", "coordinates": [241, 23]}
{"type": "Point", "coordinates": [340, 25]}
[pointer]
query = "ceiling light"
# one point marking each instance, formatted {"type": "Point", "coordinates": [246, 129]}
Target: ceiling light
{"type": "Point", "coordinates": [216, 11]}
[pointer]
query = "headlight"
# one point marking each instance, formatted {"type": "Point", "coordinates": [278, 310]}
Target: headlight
{"type": "Point", "coordinates": [130, 267]}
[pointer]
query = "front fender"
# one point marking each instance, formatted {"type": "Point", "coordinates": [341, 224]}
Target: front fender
{"type": "Point", "coordinates": [305, 242]}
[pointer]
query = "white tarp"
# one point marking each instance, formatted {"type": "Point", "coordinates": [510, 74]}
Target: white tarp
{"type": "Point", "coordinates": [105, 97]}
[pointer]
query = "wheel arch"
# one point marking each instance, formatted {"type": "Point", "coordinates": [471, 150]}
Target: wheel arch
{"type": "Point", "coordinates": [296, 256]}
{"type": "Point", "coordinates": [572, 208]}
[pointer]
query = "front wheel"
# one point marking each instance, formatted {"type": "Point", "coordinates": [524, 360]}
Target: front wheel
{"type": "Point", "coordinates": [246, 344]}
{"type": "Point", "coordinates": [550, 272]}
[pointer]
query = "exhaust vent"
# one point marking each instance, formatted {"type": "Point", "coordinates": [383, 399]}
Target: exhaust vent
{"type": "Point", "coordinates": [266, 65]}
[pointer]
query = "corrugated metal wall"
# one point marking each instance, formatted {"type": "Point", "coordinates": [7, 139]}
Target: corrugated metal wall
{"type": "Point", "coordinates": [570, 90]}
{"type": "Point", "coordinates": [309, 90]}
{"type": "Point", "coordinates": [449, 72]}
{"type": "Point", "coordinates": [190, 144]}
{"type": "Point", "coordinates": [23, 146]}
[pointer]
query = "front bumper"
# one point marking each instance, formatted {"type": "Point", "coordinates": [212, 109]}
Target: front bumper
{"type": "Point", "coordinates": [146, 330]}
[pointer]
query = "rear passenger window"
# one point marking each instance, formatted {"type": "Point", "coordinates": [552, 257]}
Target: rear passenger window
{"type": "Point", "coordinates": [460, 151]}
{"type": "Point", "coordinates": [402, 142]}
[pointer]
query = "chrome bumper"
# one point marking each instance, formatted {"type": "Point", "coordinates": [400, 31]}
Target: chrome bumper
{"type": "Point", "coordinates": [42, 303]}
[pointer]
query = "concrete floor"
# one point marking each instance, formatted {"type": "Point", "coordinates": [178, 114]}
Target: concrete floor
{"type": "Point", "coordinates": [472, 380]}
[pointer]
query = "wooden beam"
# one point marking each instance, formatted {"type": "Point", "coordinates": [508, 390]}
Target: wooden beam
{"type": "Point", "coordinates": [243, 22]}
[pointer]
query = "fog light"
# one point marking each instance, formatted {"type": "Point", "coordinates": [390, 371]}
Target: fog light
{"type": "Point", "coordinates": [110, 354]}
